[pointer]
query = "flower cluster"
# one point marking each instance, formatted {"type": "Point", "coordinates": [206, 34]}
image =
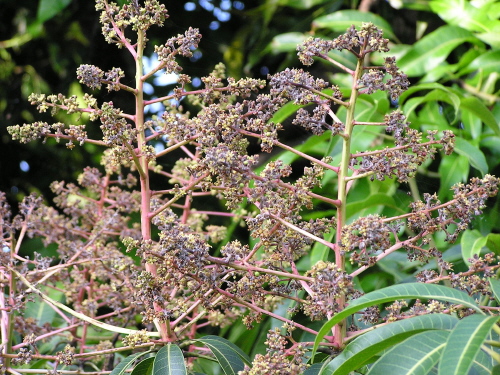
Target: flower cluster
{"type": "Point", "coordinates": [299, 86]}
{"type": "Point", "coordinates": [277, 360]}
{"type": "Point", "coordinates": [368, 235]}
{"type": "Point", "coordinates": [454, 216]}
{"type": "Point", "coordinates": [180, 45]}
{"type": "Point", "coordinates": [115, 20]}
{"type": "Point", "coordinates": [329, 284]}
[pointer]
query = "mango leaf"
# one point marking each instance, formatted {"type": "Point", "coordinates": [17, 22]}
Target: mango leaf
{"type": "Point", "coordinates": [435, 95]}
{"type": "Point", "coordinates": [231, 358]}
{"type": "Point", "coordinates": [43, 312]}
{"type": "Point", "coordinates": [342, 20]}
{"type": "Point", "coordinates": [477, 107]}
{"type": "Point", "coordinates": [491, 37]}
{"type": "Point", "coordinates": [372, 200]}
{"type": "Point", "coordinates": [495, 287]}
{"type": "Point", "coordinates": [169, 361]}
{"type": "Point", "coordinates": [362, 350]}
{"type": "Point", "coordinates": [464, 14]}
{"type": "Point", "coordinates": [487, 62]}
{"type": "Point", "coordinates": [464, 343]}
{"type": "Point", "coordinates": [472, 242]}
{"type": "Point", "coordinates": [433, 49]}
{"type": "Point", "coordinates": [304, 4]}
{"type": "Point", "coordinates": [123, 365]}
{"type": "Point", "coordinates": [49, 8]}
{"type": "Point", "coordinates": [397, 292]}
{"type": "Point", "coordinates": [286, 42]}
{"type": "Point", "coordinates": [453, 169]}
{"type": "Point", "coordinates": [474, 154]}
{"type": "Point", "coordinates": [145, 367]}
{"type": "Point", "coordinates": [313, 369]}
{"type": "Point", "coordinates": [414, 356]}
{"type": "Point", "coordinates": [493, 242]}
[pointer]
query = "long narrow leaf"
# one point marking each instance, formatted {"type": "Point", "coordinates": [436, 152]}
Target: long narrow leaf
{"type": "Point", "coordinates": [231, 358]}
{"type": "Point", "coordinates": [362, 350]}
{"type": "Point", "coordinates": [495, 287]}
{"type": "Point", "coordinates": [169, 361]}
{"type": "Point", "coordinates": [145, 367]}
{"type": "Point", "coordinates": [341, 20]}
{"type": "Point", "coordinates": [473, 153]}
{"type": "Point", "coordinates": [477, 107]}
{"type": "Point", "coordinates": [396, 292]}
{"type": "Point", "coordinates": [433, 49]}
{"type": "Point", "coordinates": [464, 344]}
{"type": "Point", "coordinates": [123, 365]}
{"type": "Point", "coordinates": [414, 356]}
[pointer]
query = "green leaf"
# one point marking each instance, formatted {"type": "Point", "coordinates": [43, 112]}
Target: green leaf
{"type": "Point", "coordinates": [397, 292]}
{"type": "Point", "coordinates": [477, 107]}
{"type": "Point", "coordinates": [473, 153]}
{"type": "Point", "coordinates": [284, 112]}
{"type": "Point", "coordinates": [313, 369]}
{"type": "Point", "coordinates": [169, 361]}
{"type": "Point", "coordinates": [453, 169]}
{"type": "Point", "coordinates": [342, 20]}
{"type": "Point", "coordinates": [433, 49]}
{"type": "Point", "coordinates": [40, 311]}
{"type": "Point", "coordinates": [437, 92]}
{"type": "Point", "coordinates": [464, 343]}
{"type": "Point", "coordinates": [414, 356]}
{"type": "Point", "coordinates": [472, 242]}
{"type": "Point", "coordinates": [493, 242]}
{"type": "Point", "coordinates": [286, 42]}
{"type": "Point", "coordinates": [123, 365]}
{"type": "Point", "coordinates": [145, 367]}
{"type": "Point", "coordinates": [372, 200]}
{"type": "Point", "coordinates": [231, 358]}
{"type": "Point", "coordinates": [303, 4]}
{"type": "Point", "coordinates": [49, 8]}
{"type": "Point", "coordinates": [362, 350]}
{"type": "Point", "coordinates": [495, 287]}
{"type": "Point", "coordinates": [487, 62]}
{"type": "Point", "coordinates": [464, 14]}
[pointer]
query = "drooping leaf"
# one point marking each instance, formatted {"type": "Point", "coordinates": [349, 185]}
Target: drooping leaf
{"type": "Point", "coordinates": [495, 287]}
{"type": "Point", "coordinates": [464, 14]}
{"type": "Point", "coordinates": [362, 350]}
{"type": "Point", "coordinates": [453, 169]}
{"type": "Point", "coordinates": [314, 369]}
{"type": "Point", "coordinates": [464, 343]}
{"type": "Point", "coordinates": [472, 242]}
{"type": "Point", "coordinates": [304, 4]}
{"type": "Point", "coordinates": [123, 365]}
{"type": "Point", "coordinates": [286, 42]}
{"type": "Point", "coordinates": [414, 356]}
{"type": "Point", "coordinates": [231, 358]}
{"type": "Point", "coordinates": [477, 107]}
{"type": "Point", "coordinates": [370, 201]}
{"type": "Point", "coordinates": [169, 361]}
{"type": "Point", "coordinates": [145, 367]}
{"type": "Point", "coordinates": [434, 48]}
{"type": "Point", "coordinates": [474, 154]}
{"type": "Point", "coordinates": [437, 92]}
{"type": "Point", "coordinates": [43, 312]}
{"type": "Point", "coordinates": [49, 8]}
{"type": "Point", "coordinates": [488, 62]}
{"type": "Point", "coordinates": [397, 292]}
{"type": "Point", "coordinates": [342, 20]}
